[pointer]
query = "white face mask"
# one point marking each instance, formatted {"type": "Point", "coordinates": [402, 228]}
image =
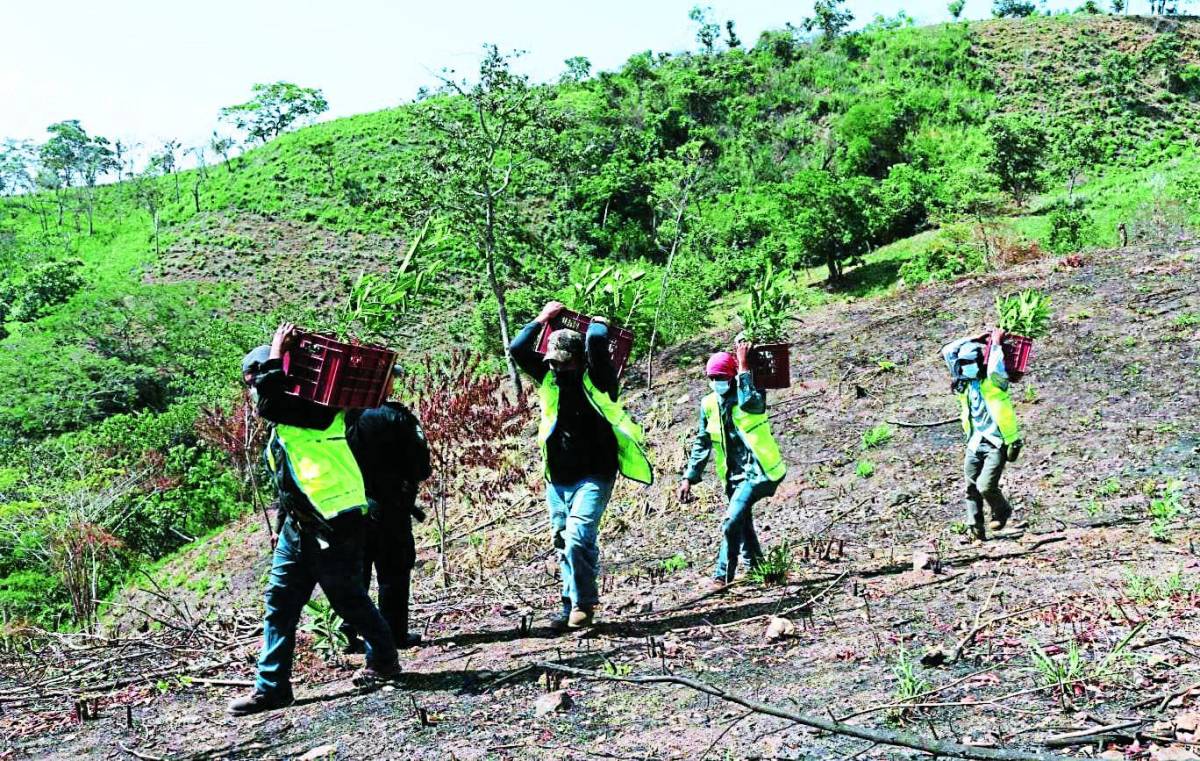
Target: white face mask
{"type": "Point", "coordinates": [720, 386]}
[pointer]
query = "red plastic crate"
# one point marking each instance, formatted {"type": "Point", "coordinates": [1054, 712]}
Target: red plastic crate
{"type": "Point", "coordinates": [620, 340]}
{"type": "Point", "coordinates": [771, 365]}
{"type": "Point", "coordinates": [324, 370]}
{"type": "Point", "coordinates": [1017, 351]}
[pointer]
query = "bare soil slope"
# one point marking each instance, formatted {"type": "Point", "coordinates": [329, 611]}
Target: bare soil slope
{"type": "Point", "coordinates": [1111, 415]}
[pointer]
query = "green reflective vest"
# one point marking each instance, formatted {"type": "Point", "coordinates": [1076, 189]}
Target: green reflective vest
{"type": "Point", "coordinates": [755, 432]}
{"type": "Point", "coordinates": [999, 406]}
{"type": "Point", "coordinates": [323, 466]}
{"type": "Point", "coordinates": [631, 457]}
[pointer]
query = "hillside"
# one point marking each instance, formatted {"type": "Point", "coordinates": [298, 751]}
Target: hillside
{"type": "Point", "coordinates": [1102, 416]}
{"type": "Point", "coordinates": [898, 178]}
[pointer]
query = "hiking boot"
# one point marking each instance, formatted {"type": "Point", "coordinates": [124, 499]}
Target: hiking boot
{"type": "Point", "coordinates": [257, 702]}
{"type": "Point", "coordinates": [712, 584]}
{"type": "Point", "coordinates": [354, 647]}
{"type": "Point", "coordinates": [369, 677]}
{"type": "Point", "coordinates": [559, 623]}
{"type": "Point", "coordinates": [580, 618]}
{"type": "Point", "coordinates": [1000, 520]}
{"type": "Point", "coordinates": [410, 639]}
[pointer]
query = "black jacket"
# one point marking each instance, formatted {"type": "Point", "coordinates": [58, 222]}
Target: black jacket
{"type": "Point", "coordinates": [389, 445]}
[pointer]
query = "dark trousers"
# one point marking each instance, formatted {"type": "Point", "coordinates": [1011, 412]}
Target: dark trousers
{"type": "Point", "coordinates": [982, 469]}
{"type": "Point", "coordinates": [391, 549]}
{"type": "Point", "coordinates": [300, 564]}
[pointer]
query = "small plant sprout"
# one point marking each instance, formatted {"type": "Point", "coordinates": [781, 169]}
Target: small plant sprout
{"type": "Point", "coordinates": [1164, 509]}
{"type": "Point", "coordinates": [1031, 394]}
{"type": "Point", "coordinates": [763, 318]}
{"type": "Point", "coordinates": [774, 568]}
{"type": "Point", "coordinates": [676, 562]}
{"type": "Point", "coordinates": [325, 626]}
{"type": "Point", "coordinates": [864, 469]}
{"type": "Point", "coordinates": [909, 685]}
{"type": "Point", "coordinates": [878, 436]}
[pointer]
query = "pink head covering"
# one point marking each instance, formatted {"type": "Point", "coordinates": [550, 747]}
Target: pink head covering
{"type": "Point", "coordinates": [722, 364]}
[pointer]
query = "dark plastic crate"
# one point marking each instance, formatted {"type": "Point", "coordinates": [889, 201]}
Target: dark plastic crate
{"type": "Point", "coordinates": [1017, 351]}
{"type": "Point", "coordinates": [327, 371]}
{"type": "Point", "coordinates": [620, 340]}
{"type": "Point", "coordinates": [771, 365]}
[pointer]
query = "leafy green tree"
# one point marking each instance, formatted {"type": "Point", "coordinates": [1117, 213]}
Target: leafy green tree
{"type": "Point", "coordinates": [579, 68]}
{"type": "Point", "coordinates": [274, 108]}
{"type": "Point", "coordinates": [956, 8]}
{"type": "Point", "coordinates": [830, 219]}
{"type": "Point", "coordinates": [16, 162]}
{"type": "Point", "coordinates": [1118, 6]}
{"type": "Point", "coordinates": [1119, 77]}
{"type": "Point", "coordinates": [222, 145]}
{"type": "Point", "coordinates": [830, 18]}
{"type": "Point", "coordinates": [77, 160]}
{"type": "Point", "coordinates": [731, 38]}
{"type": "Point", "coordinates": [1079, 146]}
{"type": "Point", "coordinates": [1013, 8]}
{"type": "Point", "coordinates": [706, 31]}
{"type": "Point", "coordinates": [483, 143]}
{"type": "Point", "coordinates": [168, 162]}
{"type": "Point", "coordinates": [1018, 147]}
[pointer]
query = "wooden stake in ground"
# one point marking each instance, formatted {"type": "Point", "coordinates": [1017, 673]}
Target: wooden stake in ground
{"type": "Point", "coordinates": [881, 736]}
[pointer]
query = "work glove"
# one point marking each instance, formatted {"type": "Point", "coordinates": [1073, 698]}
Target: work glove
{"type": "Point", "coordinates": [1014, 450]}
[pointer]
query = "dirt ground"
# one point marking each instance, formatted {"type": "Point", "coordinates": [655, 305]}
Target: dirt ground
{"type": "Point", "coordinates": [887, 603]}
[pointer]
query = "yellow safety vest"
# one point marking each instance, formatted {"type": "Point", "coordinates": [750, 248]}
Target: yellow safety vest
{"type": "Point", "coordinates": [632, 461]}
{"type": "Point", "coordinates": [323, 466]}
{"type": "Point", "coordinates": [755, 432]}
{"type": "Point", "coordinates": [999, 406]}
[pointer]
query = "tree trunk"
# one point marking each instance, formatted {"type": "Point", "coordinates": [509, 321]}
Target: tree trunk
{"type": "Point", "coordinates": [489, 246]}
{"type": "Point", "coordinates": [662, 290]}
{"type": "Point", "coordinates": [835, 270]}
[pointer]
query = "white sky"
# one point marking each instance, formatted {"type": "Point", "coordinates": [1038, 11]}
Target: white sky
{"type": "Point", "coordinates": [149, 70]}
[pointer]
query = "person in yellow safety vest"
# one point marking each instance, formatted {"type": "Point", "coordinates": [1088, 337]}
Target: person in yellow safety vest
{"type": "Point", "coordinates": [586, 438]}
{"type": "Point", "coordinates": [989, 424]}
{"type": "Point", "coordinates": [735, 433]}
{"type": "Point", "coordinates": [322, 494]}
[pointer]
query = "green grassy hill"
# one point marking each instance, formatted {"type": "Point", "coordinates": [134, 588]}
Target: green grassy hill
{"type": "Point", "coordinates": [879, 150]}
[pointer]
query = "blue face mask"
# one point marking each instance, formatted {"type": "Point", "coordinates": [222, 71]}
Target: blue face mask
{"type": "Point", "coordinates": [720, 386]}
{"type": "Point", "coordinates": [970, 372]}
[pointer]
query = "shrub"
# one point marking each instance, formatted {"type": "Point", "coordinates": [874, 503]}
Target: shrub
{"type": "Point", "coordinates": [1070, 226]}
{"type": "Point", "coordinates": [45, 286]}
{"type": "Point", "coordinates": [192, 492]}
{"type": "Point", "coordinates": [951, 254]}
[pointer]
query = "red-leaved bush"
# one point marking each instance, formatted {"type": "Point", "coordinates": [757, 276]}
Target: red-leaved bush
{"type": "Point", "coordinates": [238, 433]}
{"type": "Point", "coordinates": [472, 427]}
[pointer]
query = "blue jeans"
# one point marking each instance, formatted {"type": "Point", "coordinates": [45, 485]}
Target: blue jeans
{"type": "Point", "coordinates": [575, 513]}
{"type": "Point", "coordinates": [299, 564]}
{"type": "Point", "coordinates": [738, 527]}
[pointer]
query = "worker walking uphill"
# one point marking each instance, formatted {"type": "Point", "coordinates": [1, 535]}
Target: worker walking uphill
{"type": "Point", "coordinates": [321, 492]}
{"type": "Point", "coordinates": [989, 423]}
{"type": "Point", "coordinates": [586, 439]}
{"type": "Point", "coordinates": [390, 447]}
{"type": "Point", "coordinates": [735, 433]}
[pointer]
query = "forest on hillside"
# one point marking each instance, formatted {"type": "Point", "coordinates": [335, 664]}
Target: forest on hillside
{"type": "Point", "coordinates": [843, 163]}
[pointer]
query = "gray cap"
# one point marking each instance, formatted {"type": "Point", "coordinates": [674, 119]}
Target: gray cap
{"type": "Point", "coordinates": [564, 345]}
{"type": "Point", "coordinates": [255, 357]}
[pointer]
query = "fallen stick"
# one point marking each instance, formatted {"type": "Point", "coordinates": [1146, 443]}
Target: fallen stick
{"type": "Point", "coordinates": [975, 630]}
{"type": "Point", "coordinates": [935, 424]}
{"type": "Point", "coordinates": [136, 754]}
{"type": "Point", "coordinates": [881, 736]}
{"type": "Point", "coordinates": [1166, 698]}
{"type": "Point", "coordinates": [1090, 735]}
